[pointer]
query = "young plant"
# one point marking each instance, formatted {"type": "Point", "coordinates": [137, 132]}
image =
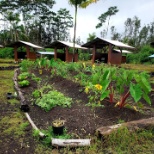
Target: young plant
{"type": "Point", "coordinates": [23, 76]}
{"type": "Point", "coordinates": [24, 83]}
{"type": "Point", "coordinates": [36, 94]}
{"type": "Point", "coordinates": [53, 98]}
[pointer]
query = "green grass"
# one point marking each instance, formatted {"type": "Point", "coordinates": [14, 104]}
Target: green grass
{"type": "Point", "coordinates": [6, 84]}
{"type": "Point", "coordinates": [140, 67]}
{"type": "Point", "coordinates": [124, 141]}
{"type": "Point", "coordinates": [6, 60]}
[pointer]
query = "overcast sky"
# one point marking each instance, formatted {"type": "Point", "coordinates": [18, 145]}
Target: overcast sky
{"type": "Point", "coordinates": [87, 19]}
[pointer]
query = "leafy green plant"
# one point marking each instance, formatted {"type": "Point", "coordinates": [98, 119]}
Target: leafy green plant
{"type": "Point", "coordinates": [24, 83]}
{"type": "Point", "coordinates": [23, 76]}
{"type": "Point", "coordinates": [53, 98]}
{"type": "Point", "coordinates": [138, 86]}
{"type": "Point", "coordinates": [36, 94]}
{"type": "Point", "coordinates": [26, 65]}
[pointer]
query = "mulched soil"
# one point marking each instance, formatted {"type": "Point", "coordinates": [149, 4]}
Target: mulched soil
{"type": "Point", "coordinates": [81, 120]}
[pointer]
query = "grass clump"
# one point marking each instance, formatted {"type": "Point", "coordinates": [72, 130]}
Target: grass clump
{"type": "Point", "coordinates": [124, 141]}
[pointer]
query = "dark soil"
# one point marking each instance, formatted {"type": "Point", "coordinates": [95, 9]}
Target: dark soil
{"type": "Point", "coordinates": [81, 120]}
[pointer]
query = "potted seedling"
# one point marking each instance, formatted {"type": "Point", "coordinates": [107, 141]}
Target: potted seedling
{"type": "Point", "coordinates": [58, 126]}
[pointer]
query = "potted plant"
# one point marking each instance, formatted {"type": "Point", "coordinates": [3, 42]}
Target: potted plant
{"type": "Point", "coordinates": [58, 126]}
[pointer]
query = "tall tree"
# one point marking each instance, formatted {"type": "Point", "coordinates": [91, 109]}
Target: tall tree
{"type": "Point", "coordinates": [91, 36]}
{"type": "Point", "coordinates": [105, 17]}
{"type": "Point", "coordinates": [81, 4]}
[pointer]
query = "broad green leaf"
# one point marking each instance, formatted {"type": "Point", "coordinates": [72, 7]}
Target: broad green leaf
{"type": "Point", "coordinates": [105, 94]}
{"type": "Point", "coordinates": [105, 84]}
{"type": "Point", "coordinates": [147, 98]}
{"type": "Point", "coordinates": [135, 92]}
{"type": "Point", "coordinates": [106, 74]}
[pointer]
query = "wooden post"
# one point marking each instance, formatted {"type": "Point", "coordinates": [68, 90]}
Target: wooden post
{"type": "Point", "coordinates": [15, 53]}
{"type": "Point", "coordinates": [67, 55]}
{"type": "Point", "coordinates": [28, 52]}
{"type": "Point", "coordinates": [110, 54]}
{"type": "Point", "coordinates": [94, 54]}
{"type": "Point", "coordinates": [55, 53]}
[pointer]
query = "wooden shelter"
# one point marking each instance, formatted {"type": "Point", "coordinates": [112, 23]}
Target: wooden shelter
{"type": "Point", "coordinates": [109, 55]}
{"type": "Point", "coordinates": [66, 55]}
{"type": "Point", "coordinates": [30, 53]}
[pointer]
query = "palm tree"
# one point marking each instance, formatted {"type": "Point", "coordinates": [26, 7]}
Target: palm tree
{"type": "Point", "coordinates": [81, 4]}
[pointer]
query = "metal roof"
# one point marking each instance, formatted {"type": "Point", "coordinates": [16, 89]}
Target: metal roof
{"type": "Point", "coordinates": [46, 53]}
{"type": "Point", "coordinates": [123, 51]}
{"type": "Point", "coordinates": [152, 56]}
{"type": "Point", "coordinates": [21, 43]}
{"type": "Point", "coordinates": [1, 46]}
{"type": "Point", "coordinates": [61, 44]}
{"type": "Point", "coordinates": [100, 43]}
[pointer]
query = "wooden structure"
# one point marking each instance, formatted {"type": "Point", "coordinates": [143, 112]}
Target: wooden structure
{"type": "Point", "coordinates": [30, 53]}
{"type": "Point", "coordinates": [66, 55]}
{"type": "Point", "coordinates": [152, 44]}
{"type": "Point", "coordinates": [1, 46]}
{"type": "Point", "coordinates": [109, 56]}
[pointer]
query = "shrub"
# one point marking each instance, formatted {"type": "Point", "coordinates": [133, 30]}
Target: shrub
{"type": "Point", "coordinates": [6, 53]}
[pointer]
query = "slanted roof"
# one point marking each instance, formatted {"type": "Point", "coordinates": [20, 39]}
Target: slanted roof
{"type": "Point", "coordinates": [100, 43]}
{"type": "Point", "coordinates": [62, 44]}
{"type": "Point", "coordinates": [123, 51]}
{"type": "Point", "coordinates": [1, 46]}
{"type": "Point", "coordinates": [21, 43]}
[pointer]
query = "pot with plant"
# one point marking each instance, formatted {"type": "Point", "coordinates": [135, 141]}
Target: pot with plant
{"type": "Point", "coordinates": [58, 126]}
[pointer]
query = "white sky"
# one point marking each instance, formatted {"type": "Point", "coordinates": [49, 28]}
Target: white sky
{"type": "Point", "coordinates": [87, 19]}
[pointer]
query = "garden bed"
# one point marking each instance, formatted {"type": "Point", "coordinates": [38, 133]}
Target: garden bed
{"type": "Point", "coordinates": [81, 120]}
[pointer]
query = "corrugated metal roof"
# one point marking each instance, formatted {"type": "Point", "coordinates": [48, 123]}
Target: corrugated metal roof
{"type": "Point", "coordinates": [61, 44]}
{"type": "Point", "coordinates": [46, 53]}
{"type": "Point", "coordinates": [118, 44]}
{"type": "Point", "coordinates": [123, 51]}
{"type": "Point", "coordinates": [100, 43]}
{"type": "Point", "coordinates": [31, 44]}
{"type": "Point", "coordinates": [152, 56]}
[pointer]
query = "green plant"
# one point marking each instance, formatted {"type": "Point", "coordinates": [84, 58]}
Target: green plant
{"type": "Point", "coordinates": [6, 52]}
{"type": "Point", "coordinates": [36, 94]}
{"type": "Point", "coordinates": [26, 65]}
{"type": "Point", "coordinates": [53, 98]}
{"type": "Point", "coordinates": [24, 83]}
{"type": "Point", "coordinates": [138, 86]}
{"type": "Point", "coordinates": [23, 76]}
{"type": "Point", "coordinates": [58, 123]}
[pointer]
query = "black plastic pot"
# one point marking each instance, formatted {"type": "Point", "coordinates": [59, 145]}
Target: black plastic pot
{"type": "Point", "coordinates": [58, 130]}
{"type": "Point", "coordinates": [24, 108]}
{"type": "Point", "coordinates": [9, 95]}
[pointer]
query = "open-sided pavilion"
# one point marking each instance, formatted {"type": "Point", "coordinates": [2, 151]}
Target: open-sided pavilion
{"type": "Point", "coordinates": [30, 53]}
{"type": "Point", "coordinates": [109, 47]}
{"type": "Point", "coordinates": [65, 46]}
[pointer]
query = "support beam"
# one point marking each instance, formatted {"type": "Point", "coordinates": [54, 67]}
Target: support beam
{"type": "Point", "coordinates": [94, 54]}
{"type": "Point", "coordinates": [55, 53]}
